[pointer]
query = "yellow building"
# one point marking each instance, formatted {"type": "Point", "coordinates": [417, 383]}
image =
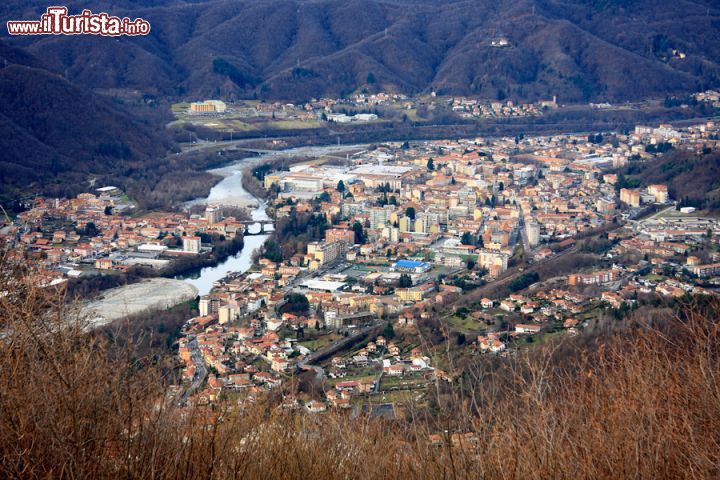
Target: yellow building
{"type": "Point", "coordinates": [630, 197]}
{"type": "Point", "coordinates": [495, 261]}
{"type": "Point", "coordinates": [208, 106]}
{"type": "Point", "coordinates": [270, 179]}
{"type": "Point", "coordinates": [326, 252]}
{"type": "Point", "coordinates": [409, 294]}
{"type": "Point", "coordinates": [660, 192]}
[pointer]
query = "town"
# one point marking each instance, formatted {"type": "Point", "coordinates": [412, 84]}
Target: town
{"type": "Point", "coordinates": [309, 239]}
{"type": "Point", "coordinates": [99, 232]}
{"type": "Point", "coordinates": [504, 242]}
{"type": "Point", "coordinates": [501, 242]}
{"type": "Point", "coordinates": [469, 233]}
{"type": "Point", "coordinates": [248, 115]}
{"type": "Point", "coordinates": [244, 116]}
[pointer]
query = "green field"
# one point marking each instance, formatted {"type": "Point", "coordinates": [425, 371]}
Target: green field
{"type": "Point", "coordinates": [654, 277]}
{"type": "Point", "coordinates": [320, 342]}
{"type": "Point", "coordinates": [406, 382]}
{"type": "Point", "coordinates": [538, 339]}
{"type": "Point", "coordinates": [179, 107]}
{"type": "Point", "coordinates": [237, 123]}
{"type": "Point", "coordinates": [465, 325]}
{"type": "Point", "coordinates": [400, 396]}
{"type": "Point", "coordinates": [350, 378]}
{"type": "Point", "coordinates": [290, 124]}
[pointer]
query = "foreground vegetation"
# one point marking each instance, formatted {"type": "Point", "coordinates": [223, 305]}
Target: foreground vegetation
{"type": "Point", "coordinates": [636, 402]}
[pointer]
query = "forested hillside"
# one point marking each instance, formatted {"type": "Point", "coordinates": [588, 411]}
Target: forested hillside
{"type": "Point", "coordinates": [578, 50]}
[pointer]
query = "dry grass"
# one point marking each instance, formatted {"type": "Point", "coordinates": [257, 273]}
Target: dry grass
{"type": "Point", "coordinates": [73, 405]}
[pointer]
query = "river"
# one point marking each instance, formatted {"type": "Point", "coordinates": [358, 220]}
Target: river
{"type": "Point", "coordinates": [230, 192]}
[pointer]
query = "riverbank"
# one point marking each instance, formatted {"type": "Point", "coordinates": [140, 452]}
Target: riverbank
{"type": "Point", "coordinates": [150, 294]}
{"type": "Point", "coordinates": [231, 192]}
{"type": "Point", "coordinates": [573, 119]}
{"type": "Point", "coordinates": [86, 287]}
{"type": "Point", "coordinates": [221, 251]}
{"type": "Point", "coordinates": [233, 256]}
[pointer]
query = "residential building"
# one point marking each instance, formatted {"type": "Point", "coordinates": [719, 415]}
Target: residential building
{"type": "Point", "coordinates": [191, 244]}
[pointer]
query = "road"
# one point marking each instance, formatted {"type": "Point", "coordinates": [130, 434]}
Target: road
{"type": "Point", "coordinates": [485, 127]}
{"type": "Point", "coordinates": [523, 235]}
{"type": "Point", "coordinates": [637, 219]}
{"type": "Point", "coordinates": [238, 145]}
{"type": "Point", "coordinates": [306, 363]}
{"type": "Point", "coordinates": [200, 370]}
{"type": "Point", "coordinates": [376, 387]}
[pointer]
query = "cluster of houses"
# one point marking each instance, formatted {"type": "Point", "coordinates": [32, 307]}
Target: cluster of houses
{"type": "Point", "coordinates": [477, 108]}
{"type": "Point", "coordinates": [655, 265]}
{"type": "Point", "coordinates": [709, 96]}
{"type": "Point", "coordinates": [238, 360]}
{"type": "Point", "coordinates": [96, 231]}
{"type": "Point", "coordinates": [363, 107]}
{"type": "Point", "coordinates": [405, 223]}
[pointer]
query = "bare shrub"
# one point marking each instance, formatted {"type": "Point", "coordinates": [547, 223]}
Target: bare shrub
{"type": "Point", "coordinates": [640, 404]}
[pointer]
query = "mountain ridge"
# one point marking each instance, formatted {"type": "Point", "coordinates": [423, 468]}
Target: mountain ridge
{"type": "Point", "coordinates": [59, 136]}
{"type": "Point", "coordinates": [580, 50]}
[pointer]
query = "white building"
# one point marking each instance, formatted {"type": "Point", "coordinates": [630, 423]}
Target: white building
{"type": "Point", "coordinates": [191, 244]}
{"type": "Point", "coordinates": [212, 214]}
{"type": "Point", "coordinates": [532, 230]}
{"type": "Point", "coordinates": [228, 313]}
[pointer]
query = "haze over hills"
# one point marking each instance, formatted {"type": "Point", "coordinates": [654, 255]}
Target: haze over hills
{"type": "Point", "coordinates": [61, 136]}
{"type": "Point", "coordinates": [579, 50]}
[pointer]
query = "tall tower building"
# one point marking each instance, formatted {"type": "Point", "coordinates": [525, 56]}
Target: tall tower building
{"type": "Point", "coordinates": [212, 214]}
